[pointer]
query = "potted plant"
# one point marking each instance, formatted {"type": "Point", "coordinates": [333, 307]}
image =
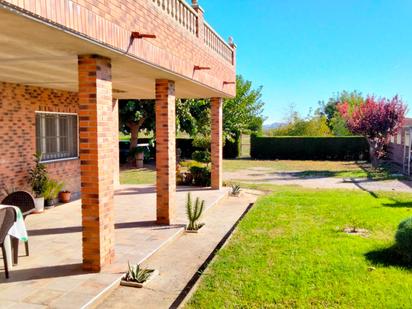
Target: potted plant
{"type": "Point", "coordinates": [138, 154]}
{"type": "Point", "coordinates": [51, 192]}
{"type": "Point", "coordinates": [194, 212]}
{"type": "Point", "coordinates": [137, 277]}
{"type": "Point", "coordinates": [65, 196]}
{"type": "Point", "coordinates": [38, 180]}
{"type": "Point", "coordinates": [235, 191]}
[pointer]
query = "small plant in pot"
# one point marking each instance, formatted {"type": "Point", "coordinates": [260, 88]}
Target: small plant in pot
{"type": "Point", "coordinates": [38, 179]}
{"type": "Point", "coordinates": [137, 276]}
{"type": "Point", "coordinates": [65, 196]}
{"type": "Point", "coordinates": [138, 154]}
{"type": "Point", "coordinates": [51, 192]}
{"type": "Point", "coordinates": [194, 212]}
{"type": "Point", "coordinates": [235, 190]}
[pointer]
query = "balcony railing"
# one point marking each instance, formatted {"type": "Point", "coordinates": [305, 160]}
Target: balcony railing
{"type": "Point", "coordinates": [215, 42]}
{"type": "Point", "coordinates": [180, 11]}
{"type": "Point", "coordinates": [188, 18]}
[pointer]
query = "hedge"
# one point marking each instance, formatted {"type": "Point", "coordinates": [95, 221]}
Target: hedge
{"type": "Point", "coordinates": [309, 148]}
{"type": "Point", "coordinates": [230, 150]}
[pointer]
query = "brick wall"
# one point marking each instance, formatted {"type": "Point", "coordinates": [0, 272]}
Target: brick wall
{"type": "Point", "coordinates": [111, 22]}
{"type": "Point", "coordinates": [18, 104]}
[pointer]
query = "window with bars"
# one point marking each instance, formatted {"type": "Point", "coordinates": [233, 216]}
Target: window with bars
{"type": "Point", "coordinates": [56, 136]}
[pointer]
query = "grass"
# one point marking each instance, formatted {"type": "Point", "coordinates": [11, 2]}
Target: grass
{"type": "Point", "coordinates": [313, 168]}
{"type": "Point", "coordinates": [298, 169]}
{"type": "Point", "coordinates": [290, 251]}
{"type": "Point", "coordinates": [141, 176]}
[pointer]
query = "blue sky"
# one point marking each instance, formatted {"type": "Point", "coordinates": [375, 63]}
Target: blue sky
{"type": "Point", "coordinates": [304, 51]}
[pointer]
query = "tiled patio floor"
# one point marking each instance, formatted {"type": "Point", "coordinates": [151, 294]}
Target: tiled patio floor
{"type": "Point", "coordinates": [52, 276]}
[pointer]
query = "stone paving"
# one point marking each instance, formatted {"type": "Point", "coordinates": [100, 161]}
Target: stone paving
{"type": "Point", "coordinates": [176, 264]}
{"type": "Point", "coordinates": [52, 276]}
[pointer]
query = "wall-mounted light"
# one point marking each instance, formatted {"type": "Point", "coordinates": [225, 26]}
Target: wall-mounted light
{"type": "Point", "coordinates": [228, 83]}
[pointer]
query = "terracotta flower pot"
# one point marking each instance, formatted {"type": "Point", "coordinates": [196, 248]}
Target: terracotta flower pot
{"type": "Point", "coordinates": [65, 196]}
{"type": "Point", "coordinates": [139, 159]}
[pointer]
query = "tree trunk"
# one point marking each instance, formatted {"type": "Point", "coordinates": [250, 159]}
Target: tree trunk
{"type": "Point", "coordinates": [372, 154]}
{"type": "Point", "coordinates": [134, 131]}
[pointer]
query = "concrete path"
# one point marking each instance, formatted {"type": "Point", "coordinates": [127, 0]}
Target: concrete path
{"type": "Point", "coordinates": [176, 263]}
{"type": "Point", "coordinates": [267, 176]}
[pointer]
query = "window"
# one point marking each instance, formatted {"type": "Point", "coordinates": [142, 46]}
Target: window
{"type": "Point", "coordinates": [56, 136]}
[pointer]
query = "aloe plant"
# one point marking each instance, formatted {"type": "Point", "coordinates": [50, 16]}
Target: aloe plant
{"type": "Point", "coordinates": [194, 212]}
{"type": "Point", "coordinates": [137, 274]}
{"type": "Point", "coordinates": [235, 190]}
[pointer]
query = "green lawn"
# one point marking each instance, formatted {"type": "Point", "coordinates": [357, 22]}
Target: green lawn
{"type": "Point", "coordinates": [312, 168]}
{"type": "Point", "coordinates": [291, 251]}
{"type": "Point", "coordinates": [141, 176]}
{"type": "Point", "coordinates": [299, 169]}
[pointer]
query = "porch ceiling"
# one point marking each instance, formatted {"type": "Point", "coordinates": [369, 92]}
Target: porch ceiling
{"type": "Point", "coordinates": [36, 54]}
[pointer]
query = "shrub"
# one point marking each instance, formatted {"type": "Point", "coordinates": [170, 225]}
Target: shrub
{"type": "Point", "coordinates": [201, 175]}
{"type": "Point", "coordinates": [201, 141]}
{"type": "Point", "coordinates": [310, 148]}
{"type": "Point", "coordinates": [231, 149]}
{"type": "Point", "coordinates": [201, 156]}
{"type": "Point", "coordinates": [404, 239]}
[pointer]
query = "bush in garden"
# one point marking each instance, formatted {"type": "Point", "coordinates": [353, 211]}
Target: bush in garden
{"type": "Point", "coordinates": [404, 239]}
{"type": "Point", "coordinates": [202, 156]}
{"type": "Point", "coordinates": [201, 175]}
{"type": "Point", "coordinates": [202, 141]}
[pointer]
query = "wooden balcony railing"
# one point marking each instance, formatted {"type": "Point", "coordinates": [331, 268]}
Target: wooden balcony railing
{"type": "Point", "coordinates": [188, 18]}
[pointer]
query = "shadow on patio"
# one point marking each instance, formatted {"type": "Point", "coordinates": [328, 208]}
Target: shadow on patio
{"type": "Point", "coordinates": [53, 274]}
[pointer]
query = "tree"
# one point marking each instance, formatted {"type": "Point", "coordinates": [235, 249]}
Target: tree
{"type": "Point", "coordinates": [377, 120]}
{"type": "Point", "coordinates": [240, 114]}
{"type": "Point", "coordinates": [334, 120]}
{"type": "Point", "coordinates": [136, 115]}
{"type": "Point", "coordinates": [193, 116]}
{"type": "Point", "coordinates": [313, 126]}
{"type": "Point", "coordinates": [243, 112]}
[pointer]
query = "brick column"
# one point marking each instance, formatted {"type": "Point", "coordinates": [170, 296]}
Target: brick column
{"type": "Point", "coordinates": [116, 154]}
{"type": "Point", "coordinates": [165, 151]}
{"type": "Point", "coordinates": [217, 142]}
{"type": "Point", "coordinates": [96, 141]}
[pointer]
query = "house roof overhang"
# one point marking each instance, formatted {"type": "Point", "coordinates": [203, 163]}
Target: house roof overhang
{"type": "Point", "coordinates": [37, 53]}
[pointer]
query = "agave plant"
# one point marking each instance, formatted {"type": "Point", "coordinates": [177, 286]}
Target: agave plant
{"type": "Point", "coordinates": [194, 212]}
{"type": "Point", "coordinates": [137, 274]}
{"type": "Point", "coordinates": [235, 190]}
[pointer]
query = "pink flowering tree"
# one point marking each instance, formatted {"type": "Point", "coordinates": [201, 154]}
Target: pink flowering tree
{"type": "Point", "coordinates": [377, 120]}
